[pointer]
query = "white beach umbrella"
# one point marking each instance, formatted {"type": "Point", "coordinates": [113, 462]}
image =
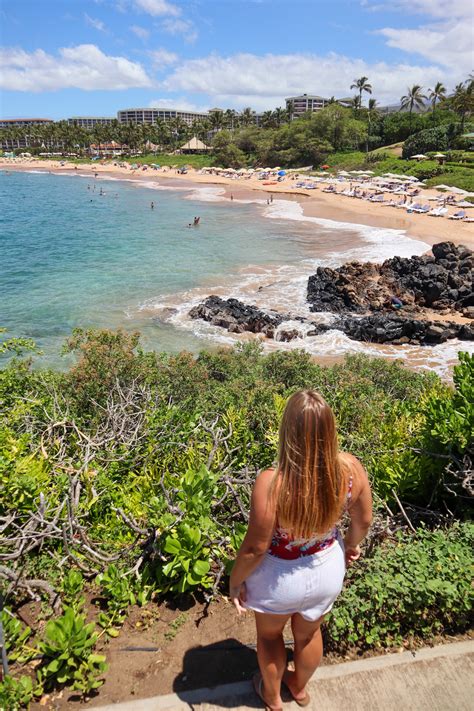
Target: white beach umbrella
{"type": "Point", "coordinates": [439, 155]}
{"type": "Point", "coordinates": [442, 186]}
{"type": "Point", "coordinates": [465, 203]}
{"type": "Point", "coordinates": [343, 172]}
{"type": "Point", "coordinates": [368, 172]}
{"type": "Point", "coordinates": [459, 191]}
{"type": "Point", "coordinates": [419, 156]}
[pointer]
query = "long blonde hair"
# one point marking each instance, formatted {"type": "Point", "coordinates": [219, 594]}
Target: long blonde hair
{"type": "Point", "coordinates": [311, 471]}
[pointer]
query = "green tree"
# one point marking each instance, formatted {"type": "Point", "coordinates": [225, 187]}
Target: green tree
{"type": "Point", "coordinates": [361, 85]}
{"type": "Point", "coordinates": [437, 94]}
{"type": "Point", "coordinates": [462, 101]}
{"type": "Point", "coordinates": [413, 98]}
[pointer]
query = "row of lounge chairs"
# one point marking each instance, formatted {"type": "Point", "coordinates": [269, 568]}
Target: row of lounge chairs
{"type": "Point", "coordinates": [413, 207]}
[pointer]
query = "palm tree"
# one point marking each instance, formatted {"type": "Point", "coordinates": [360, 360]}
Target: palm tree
{"type": "Point", "coordinates": [267, 120]}
{"type": "Point", "coordinates": [247, 116]}
{"type": "Point", "coordinates": [413, 98]}
{"type": "Point", "coordinates": [372, 113]}
{"type": "Point", "coordinates": [230, 118]}
{"type": "Point", "coordinates": [437, 94]}
{"type": "Point", "coordinates": [356, 103]}
{"type": "Point", "coordinates": [290, 109]}
{"type": "Point", "coordinates": [279, 116]}
{"type": "Point", "coordinates": [216, 119]}
{"type": "Point", "coordinates": [462, 101]}
{"type": "Point", "coordinates": [362, 85]}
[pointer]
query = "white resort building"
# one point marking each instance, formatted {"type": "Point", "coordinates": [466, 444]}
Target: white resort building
{"type": "Point", "coordinates": [155, 115]}
{"type": "Point", "coordinates": [299, 105]}
{"type": "Point", "coordinates": [90, 121]}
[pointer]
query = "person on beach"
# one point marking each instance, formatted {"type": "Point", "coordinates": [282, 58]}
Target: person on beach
{"type": "Point", "coordinates": [292, 561]}
{"type": "Point", "coordinates": [271, 198]}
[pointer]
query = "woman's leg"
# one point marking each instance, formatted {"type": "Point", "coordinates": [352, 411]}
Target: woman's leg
{"type": "Point", "coordinates": [271, 654]}
{"type": "Point", "coordinates": [308, 653]}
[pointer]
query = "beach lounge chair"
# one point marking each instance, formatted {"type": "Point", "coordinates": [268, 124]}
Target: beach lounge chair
{"type": "Point", "coordinates": [459, 215]}
{"type": "Point", "coordinates": [438, 212]}
{"type": "Point", "coordinates": [414, 207]}
{"type": "Point", "coordinates": [423, 210]}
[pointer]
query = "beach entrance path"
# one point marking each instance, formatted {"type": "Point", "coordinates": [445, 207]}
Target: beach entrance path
{"type": "Point", "coordinates": [432, 679]}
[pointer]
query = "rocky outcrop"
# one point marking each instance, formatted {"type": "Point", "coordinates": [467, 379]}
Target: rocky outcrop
{"type": "Point", "coordinates": [237, 317]}
{"type": "Point", "coordinates": [443, 282]}
{"type": "Point", "coordinates": [398, 330]}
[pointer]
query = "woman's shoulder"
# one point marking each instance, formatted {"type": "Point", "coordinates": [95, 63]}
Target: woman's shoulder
{"type": "Point", "coordinates": [355, 473]}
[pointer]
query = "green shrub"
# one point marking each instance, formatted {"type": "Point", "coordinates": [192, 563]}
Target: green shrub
{"type": "Point", "coordinates": [412, 587]}
{"type": "Point", "coordinates": [68, 656]}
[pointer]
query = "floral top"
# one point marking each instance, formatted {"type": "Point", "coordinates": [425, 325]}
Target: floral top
{"type": "Point", "coordinates": [288, 548]}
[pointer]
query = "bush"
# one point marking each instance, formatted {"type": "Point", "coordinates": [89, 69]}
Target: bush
{"type": "Point", "coordinates": [412, 588]}
{"type": "Point", "coordinates": [441, 138]}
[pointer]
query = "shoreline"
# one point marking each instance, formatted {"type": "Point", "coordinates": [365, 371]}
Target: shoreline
{"type": "Point", "coordinates": [313, 203]}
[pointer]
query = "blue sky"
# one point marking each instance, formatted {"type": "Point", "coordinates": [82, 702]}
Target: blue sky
{"type": "Point", "coordinates": [61, 58]}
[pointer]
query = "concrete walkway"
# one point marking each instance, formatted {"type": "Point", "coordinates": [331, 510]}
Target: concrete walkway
{"type": "Point", "coordinates": [434, 679]}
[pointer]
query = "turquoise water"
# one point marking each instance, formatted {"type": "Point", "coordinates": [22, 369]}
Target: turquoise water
{"type": "Point", "coordinates": [72, 257]}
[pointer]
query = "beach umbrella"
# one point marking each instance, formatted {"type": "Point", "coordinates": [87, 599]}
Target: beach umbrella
{"type": "Point", "coordinates": [465, 203]}
{"type": "Point", "coordinates": [419, 156]}
{"type": "Point", "coordinates": [325, 167]}
{"type": "Point", "coordinates": [459, 191]}
{"type": "Point", "coordinates": [343, 172]}
{"type": "Point", "coordinates": [282, 172]}
{"type": "Point", "coordinates": [439, 155]}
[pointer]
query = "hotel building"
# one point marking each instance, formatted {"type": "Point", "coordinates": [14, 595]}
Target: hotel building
{"type": "Point", "coordinates": [22, 141]}
{"type": "Point", "coordinates": [154, 115]}
{"type": "Point", "coordinates": [90, 121]}
{"type": "Point", "coordinates": [299, 105]}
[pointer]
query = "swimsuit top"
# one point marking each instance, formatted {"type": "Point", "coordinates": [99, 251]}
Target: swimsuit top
{"type": "Point", "coordinates": [284, 546]}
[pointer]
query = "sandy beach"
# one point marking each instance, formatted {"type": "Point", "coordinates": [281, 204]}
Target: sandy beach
{"type": "Point", "coordinates": [314, 203]}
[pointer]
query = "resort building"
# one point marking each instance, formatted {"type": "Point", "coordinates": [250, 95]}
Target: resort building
{"type": "Point", "coordinates": [299, 105]}
{"type": "Point", "coordinates": [19, 140]}
{"type": "Point", "coordinates": [90, 121]}
{"type": "Point", "coordinates": [22, 122]}
{"type": "Point", "coordinates": [155, 115]}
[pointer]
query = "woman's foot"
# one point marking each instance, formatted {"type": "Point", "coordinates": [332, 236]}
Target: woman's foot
{"type": "Point", "coordinates": [301, 697]}
{"type": "Point", "coordinates": [259, 690]}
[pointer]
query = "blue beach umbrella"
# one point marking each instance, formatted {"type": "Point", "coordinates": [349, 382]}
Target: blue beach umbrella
{"type": "Point", "coordinates": [282, 172]}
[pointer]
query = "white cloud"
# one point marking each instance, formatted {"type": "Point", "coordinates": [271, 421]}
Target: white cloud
{"type": "Point", "coordinates": [265, 81]}
{"type": "Point", "coordinates": [82, 67]}
{"type": "Point", "coordinates": [444, 9]}
{"type": "Point", "coordinates": [446, 40]}
{"type": "Point", "coordinates": [140, 32]}
{"type": "Point", "coordinates": [180, 27]}
{"type": "Point", "coordinates": [158, 8]}
{"type": "Point", "coordinates": [96, 24]}
{"type": "Point", "coordinates": [163, 58]}
{"type": "Point", "coordinates": [180, 103]}
{"type": "Point", "coordinates": [448, 44]}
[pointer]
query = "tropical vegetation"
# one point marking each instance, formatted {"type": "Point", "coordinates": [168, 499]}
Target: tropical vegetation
{"type": "Point", "coordinates": [126, 480]}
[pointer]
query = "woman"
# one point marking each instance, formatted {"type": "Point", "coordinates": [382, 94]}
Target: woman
{"type": "Point", "coordinates": [292, 561]}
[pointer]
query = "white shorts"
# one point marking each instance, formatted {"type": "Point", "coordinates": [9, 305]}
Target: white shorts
{"type": "Point", "coordinates": [307, 585]}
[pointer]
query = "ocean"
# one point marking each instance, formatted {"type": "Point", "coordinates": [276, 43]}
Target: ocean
{"type": "Point", "coordinates": [79, 252]}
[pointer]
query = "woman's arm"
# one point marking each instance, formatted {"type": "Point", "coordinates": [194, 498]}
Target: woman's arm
{"type": "Point", "coordinates": [258, 537]}
{"type": "Point", "coordinates": [360, 510]}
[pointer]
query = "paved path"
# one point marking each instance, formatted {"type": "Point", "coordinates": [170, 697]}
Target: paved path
{"type": "Point", "coordinates": [434, 679]}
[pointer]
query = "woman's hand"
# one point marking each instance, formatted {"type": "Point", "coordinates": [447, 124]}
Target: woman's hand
{"type": "Point", "coordinates": [238, 595]}
{"type": "Point", "coordinates": [352, 553]}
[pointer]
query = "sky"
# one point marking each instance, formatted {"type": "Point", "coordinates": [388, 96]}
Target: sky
{"type": "Point", "coordinates": [63, 58]}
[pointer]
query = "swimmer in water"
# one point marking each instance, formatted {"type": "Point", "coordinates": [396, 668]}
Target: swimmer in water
{"type": "Point", "coordinates": [152, 205]}
{"type": "Point", "coordinates": [196, 221]}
